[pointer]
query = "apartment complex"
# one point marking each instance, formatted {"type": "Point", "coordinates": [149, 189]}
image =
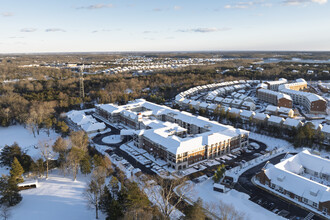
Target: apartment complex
{"type": "Point", "coordinates": [278, 93]}
{"type": "Point", "coordinates": [313, 103]}
{"type": "Point", "coordinates": [303, 178]}
{"type": "Point", "coordinates": [273, 85]}
{"type": "Point", "coordinates": [275, 98]}
{"type": "Point", "coordinates": [179, 138]}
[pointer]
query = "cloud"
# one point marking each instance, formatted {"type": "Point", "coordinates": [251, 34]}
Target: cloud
{"type": "Point", "coordinates": [96, 6]}
{"type": "Point", "coordinates": [28, 30]}
{"type": "Point", "coordinates": [300, 2]}
{"type": "Point", "coordinates": [204, 30]}
{"type": "Point", "coordinates": [55, 30]}
{"type": "Point", "coordinates": [177, 8]}
{"type": "Point", "coordinates": [157, 9]}
{"type": "Point", "coordinates": [16, 37]}
{"type": "Point", "coordinates": [245, 5]}
{"type": "Point", "coordinates": [106, 30]}
{"type": "Point", "coordinates": [7, 14]}
{"type": "Point", "coordinates": [240, 5]}
{"type": "Point", "coordinates": [150, 32]}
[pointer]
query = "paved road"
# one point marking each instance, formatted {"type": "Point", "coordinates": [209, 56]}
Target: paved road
{"type": "Point", "coordinates": [265, 199]}
{"type": "Point", "coordinates": [114, 131]}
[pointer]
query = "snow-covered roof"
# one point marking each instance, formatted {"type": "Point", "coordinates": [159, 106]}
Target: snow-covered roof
{"type": "Point", "coordinates": [284, 110]}
{"type": "Point", "coordinates": [247, 114]}
{"type": "Point", "coordinates": [288, 175]}
{"type": "Point", "coordinates": [248, 104]}
{"type": "Point", "coordinates": [109, 108]}
{"type": "Point", "coordinates": [164, 133]}
{"type": "Point", "coordinates": [279, 95]}
{"type": "Point", "coordinates": [276, 119]}
{"type": "Point", "coordinates": [272, 108]}
{"type": "Point", "coordinates": [203, 105]}
{"type": "Point", "coordinates": [326, 129]}
{"type": "Point", "coordinates": [218, 99]}
{"type": "Point", "coordinates": [292, 122]}
{"type": "Point", "coordinates": [212, 106]}
{"type": "Point", "coordinates": [235, 111]}
{"type": "Point", "coordinates": [261, 116]}
{"type": "Point", "coordinates": [79, 117]}
{"type": "Point", "coordinates": [92, 127]}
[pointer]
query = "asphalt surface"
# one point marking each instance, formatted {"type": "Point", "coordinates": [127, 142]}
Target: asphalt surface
{"type": "Point", "coordinates": [116, 150]}
{"type": "Point", "coordinates": [267, 200]}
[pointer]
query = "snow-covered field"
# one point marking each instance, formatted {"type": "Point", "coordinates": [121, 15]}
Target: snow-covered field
{"type": "Point", "coordinates": [24, 138]}
{"type": "Point", "coordinates": [112, 139]}
{"type": "Point", "coordinates": [239, 200]}
{"type": "Point", "coordinates": [56, 198]}
{"type": "Point", "coordinates": [270, 141]}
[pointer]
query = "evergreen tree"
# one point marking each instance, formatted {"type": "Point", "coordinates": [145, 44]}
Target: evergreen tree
{"type": "Point", "coordinates": [85, 165]}
{"type": "Point", "coordinates": [8, 153]}
{"type": "Point", "coordinates": [115, 210]}
{"type": "Point", "coordinates": [219, 173]}
{"type": "Point", "coordinates": [195, 212]}
{"type": "Point", "coordinates": [105, 200]}
{"type": "Point", "coordinates": [9, 191]}
{"type": "Point", "coordinates": [16, 171]}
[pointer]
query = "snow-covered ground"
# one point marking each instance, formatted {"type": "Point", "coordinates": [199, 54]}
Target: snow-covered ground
{"type": "Point", "coordinates": [56, 198]}
{"type": "Point", "coordinates": [112, 139]}
{"type": "Point", "coordinates": [240, 201]}
{"type": "Point", "coordinates": [270, 141]}
{"type": "Point", "coordinates": [25, 139]}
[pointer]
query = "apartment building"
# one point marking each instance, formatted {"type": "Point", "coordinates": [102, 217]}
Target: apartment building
{"type": "Point", "coordinates": [179, 138]}
{"type": "Point", "coordinates": [303, 178]}
{"type": "Point", "coordinates": [273, 85]}
{"type": "Point", "coordinates": [275, 98]}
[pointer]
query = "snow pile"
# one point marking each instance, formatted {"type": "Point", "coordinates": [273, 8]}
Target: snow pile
{"type": "Point", "coordinates": [255, 145]}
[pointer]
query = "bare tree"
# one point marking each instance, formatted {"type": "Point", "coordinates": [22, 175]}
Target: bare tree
{"type": "Point", "coordinates": [46, 153]}
{"type": "Point", "coordinates": [61, 146]}
{"type": "Point", "coordinates": [38, 113]}
{"type": "Point", "coordinates": [164, 196]}
{"type": "Point", "coordinates": [225, 211]}
{"type": "Point", "coordinates": [79, 142]}
{"type": "Point", "coordinates": [94, 189]}
{"type": "Point", "coordinates": [5, 212]}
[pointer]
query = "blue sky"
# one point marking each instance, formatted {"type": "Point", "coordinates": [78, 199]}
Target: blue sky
{"type": "Point", "coordinates": [163, 25]}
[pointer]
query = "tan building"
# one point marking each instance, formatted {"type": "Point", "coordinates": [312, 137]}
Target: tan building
{"type": "Point", "coordinates": [275, 98]}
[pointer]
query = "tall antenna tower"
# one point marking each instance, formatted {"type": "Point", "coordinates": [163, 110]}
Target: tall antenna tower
{"type": "Point", "coordinates": [81, 83]}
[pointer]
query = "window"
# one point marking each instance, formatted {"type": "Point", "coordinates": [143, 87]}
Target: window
{"type": "Point", "coordinates": [315, 204]}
